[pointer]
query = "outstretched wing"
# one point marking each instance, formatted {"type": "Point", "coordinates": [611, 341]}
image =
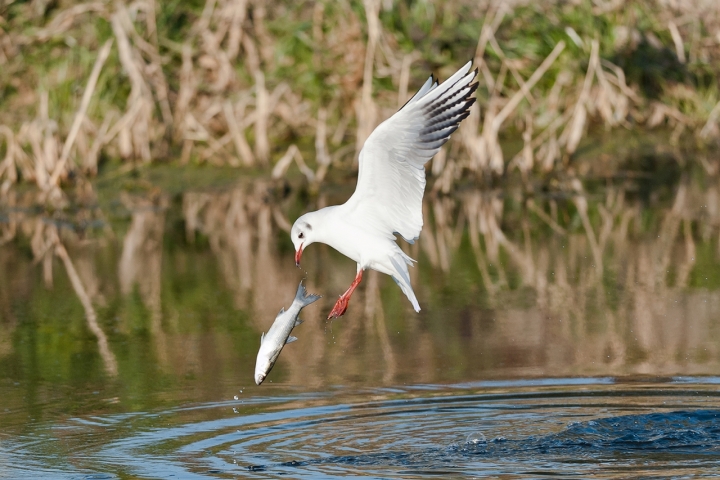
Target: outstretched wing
{"type": "Point", "coordinates": [391, 181]}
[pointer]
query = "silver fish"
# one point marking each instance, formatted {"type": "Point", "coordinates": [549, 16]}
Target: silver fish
{"type": "Point", "coordinates": [279, 334]}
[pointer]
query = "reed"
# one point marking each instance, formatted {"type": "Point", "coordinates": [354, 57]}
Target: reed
{"type": "Point", "coordinates": [234, 82]}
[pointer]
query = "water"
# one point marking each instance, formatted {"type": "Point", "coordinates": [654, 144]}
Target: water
{"type": "Point", "coordinates": [543, 348]}
{"type": "Point", "coordinates": [559, 427]}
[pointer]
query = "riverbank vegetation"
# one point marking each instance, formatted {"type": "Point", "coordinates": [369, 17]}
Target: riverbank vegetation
{"type": "Point", "coordinates": [262, 87]}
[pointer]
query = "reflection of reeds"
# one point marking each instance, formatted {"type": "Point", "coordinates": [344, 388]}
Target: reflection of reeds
{"type": "Point", "coordinates": [566, 280]}
{"type": "Point", "coordinates": [90, 315]}
{"type": "Point", "coordinates": [141, 260]}
{"type": "Point", "coordinates": [46, 243]}
{"type": "Point", "coordinates": [641, 313]}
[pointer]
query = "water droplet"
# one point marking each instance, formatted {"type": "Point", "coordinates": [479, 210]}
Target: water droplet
{"type": "Point", "coordinates": [475, 438]}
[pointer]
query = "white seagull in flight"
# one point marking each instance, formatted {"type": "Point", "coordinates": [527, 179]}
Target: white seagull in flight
{"type": "Point", "coordinates": [390, 186]}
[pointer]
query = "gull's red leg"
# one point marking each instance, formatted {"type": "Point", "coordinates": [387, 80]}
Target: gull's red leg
{"type": "Point", "coordinates": [342, 303]}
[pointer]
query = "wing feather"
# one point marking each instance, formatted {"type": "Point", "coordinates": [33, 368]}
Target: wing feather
{"type": "Point", "coordinates": [391, 180]}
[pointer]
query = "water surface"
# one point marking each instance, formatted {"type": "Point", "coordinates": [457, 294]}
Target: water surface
{"type": "Point", "coordinates": [561, 334]}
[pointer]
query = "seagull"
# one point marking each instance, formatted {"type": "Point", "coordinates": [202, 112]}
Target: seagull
{"type": "Point", "coordinates": [390, 186]}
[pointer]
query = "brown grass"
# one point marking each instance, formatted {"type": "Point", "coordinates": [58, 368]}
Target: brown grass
{"type": "Point", "coordinates": [216, 97]}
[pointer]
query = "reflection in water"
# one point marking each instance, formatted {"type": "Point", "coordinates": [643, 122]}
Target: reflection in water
{"type": "Point", "coordinates": [572, 284]}
{"type": "Point", "coordinates": [141, 261]}
{"type": "Point", "coordinates": [47, 241]}
{"type": "Point", "coordinates": [163, 303]}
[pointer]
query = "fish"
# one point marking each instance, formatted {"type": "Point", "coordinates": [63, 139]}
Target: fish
{"type": "Point", "coordinates": [272, 342]}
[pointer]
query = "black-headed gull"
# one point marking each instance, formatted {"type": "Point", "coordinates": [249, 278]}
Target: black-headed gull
{"type": "Point", "coordinates": [390, 186]}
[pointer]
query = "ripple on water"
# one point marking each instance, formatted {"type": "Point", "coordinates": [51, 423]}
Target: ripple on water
{"type": "Point", "coordinates": [569, 430]}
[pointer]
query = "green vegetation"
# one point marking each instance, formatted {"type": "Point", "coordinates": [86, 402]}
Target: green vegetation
{"type": "Point", "coordinates": [235, 82]}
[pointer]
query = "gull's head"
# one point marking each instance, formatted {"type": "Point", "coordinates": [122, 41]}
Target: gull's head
{"type": "Point", "coordinates": [302, 235]}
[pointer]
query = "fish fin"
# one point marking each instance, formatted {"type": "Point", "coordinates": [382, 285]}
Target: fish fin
{"type": "Point", "coordinates": [262, 338]}
{"type": "Point", "coordinates": [303, 298]}
{"type": "Point", "coordinates": [282, 310]}
{"type": "Point", "coordinates": [290, 339]}
{"type": "Point", "coordinates": [297, 322]}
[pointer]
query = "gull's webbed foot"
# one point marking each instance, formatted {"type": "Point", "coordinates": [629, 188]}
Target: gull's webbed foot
{"type": "Point", "coordinates": [340, 307]}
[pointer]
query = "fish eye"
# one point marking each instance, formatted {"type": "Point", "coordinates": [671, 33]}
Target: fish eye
{"type": "Point", "coordinates": [301, 235]}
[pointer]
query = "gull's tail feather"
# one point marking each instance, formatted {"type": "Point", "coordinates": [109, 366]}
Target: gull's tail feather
{"type": "Point", "coordinates": [400, 261]}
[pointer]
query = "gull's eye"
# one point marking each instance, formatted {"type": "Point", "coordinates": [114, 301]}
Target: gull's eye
{"type": "Point", "coordinates": [302, 235]}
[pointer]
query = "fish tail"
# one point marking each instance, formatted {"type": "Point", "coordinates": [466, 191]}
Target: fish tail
{"type": "Point", "coordinates": [303, 298]}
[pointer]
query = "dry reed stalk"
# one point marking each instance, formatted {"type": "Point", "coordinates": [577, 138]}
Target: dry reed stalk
{"type": "Point", "coordinates": [65, 19]}
{"type": "Point", "coordinates": [492, 21]}
{"type": "Point", "coordinates": [613, 105]}
{"type": "Point", "coordinates": [366, 109]}
{"type": "Point", "coordinates": [49, 137]}
{"type": "Point", "coordinates": [8, 168]}
{"type": "Point", "coordinates": [280, 220]}
{"type": "Point", "coordinates": [262, 109]}
{"type": "Point", "coordinates": [474, 144]}
{"type": "Point", "coordinates": [574, 129]}
{"type": "Point", "coordinates": [195, 131]}
{"type": "Point", "coordinates": [36, 133]}
{"type": "Point", "coordinates": [405, 77]}
{"type": "Point", "coordinates": [677, 39]}
{"type": "Point", "coordinates": [106, 354]}
{"type": "Point", "coordinates": [282, 165]}
{"type": "Point", "coordinates": [710, 129]}
{"type": "Point", "coordinates": [485, 150]}
{"type": "Point", "coordinates": [322, 156]}
{"type": "Point", "coordinates": [510, 66]}
{"type": "Point", "coordinates": [60, 168]}
{"type": "Point", "coordinates": [239, 13]}
{"type": "Point", "coordinates": [153, 69]}
{"type": "Point", "coordinates": [135, 138]}
{"type": "Point", "coordinates": [203, 23]}
{"type": "Point", "coordinates": [187, 89]}
{"type": "Point", "coordinates": [524, 159]}
{"type": "Point", "coordinates": [524, 90]}
{"type": "Point", "coordinates": [90, 163]}
{"type": "Point", "coordinates": [241, 145]}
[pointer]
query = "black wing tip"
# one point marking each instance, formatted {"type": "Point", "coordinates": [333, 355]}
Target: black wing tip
{"type": "Point", "coordinates": [473, 87]}
{"type": "Point", "coordinates": [444, 102]}
{"type": "Point", "coordinates": [434, 82]}
{"type": "Point", "coordinates": [437, 120]}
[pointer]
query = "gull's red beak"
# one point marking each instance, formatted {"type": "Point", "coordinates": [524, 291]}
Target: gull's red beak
{"type": "Point", "coordinates": [298, 254]}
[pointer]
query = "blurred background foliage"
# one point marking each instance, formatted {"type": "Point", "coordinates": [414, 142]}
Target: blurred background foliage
{"type": "Point", "coordinates": [262, 85]}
